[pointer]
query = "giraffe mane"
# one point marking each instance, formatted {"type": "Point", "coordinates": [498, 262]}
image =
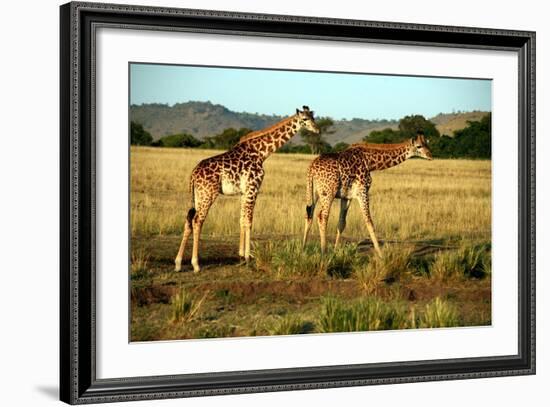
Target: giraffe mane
{"type": "Point", "coordinates": [259, 133]}
{"type": "Point", "coordinates": [379, 146]}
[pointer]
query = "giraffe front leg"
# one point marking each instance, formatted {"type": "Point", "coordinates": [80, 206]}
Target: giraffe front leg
{"type": "Point", "coordinates": [246, 219]}
{"type": "Point", "coordinates": [242, 239]}
{"type": "Point", "coordinates": [344, 206]}
{"type": "Point", "coordinates": [248, 201]}
{"type": "Point", "coordinates": [364, 204]}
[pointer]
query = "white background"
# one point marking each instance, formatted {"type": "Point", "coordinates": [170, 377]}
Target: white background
{"type": "Point", "coordinates": [29, 206]}
{"type": "Point", "coordinates": [117, 358]}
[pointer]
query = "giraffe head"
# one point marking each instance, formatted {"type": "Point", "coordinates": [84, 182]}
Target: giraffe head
{"type": "Point", "coordinates": [419, 146]}
{"type": "Point", "coordinates": [306, 120]}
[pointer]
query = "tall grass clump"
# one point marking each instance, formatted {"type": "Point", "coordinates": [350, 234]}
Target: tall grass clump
{"type": "Point", "coordinates": [138, 266]}
{"type": "Point", "coordinates": [466, 262]}
{"type": "Point", "coordinates": [395, 261]}
{"type": "Point", "coordinates": [477, 261]}
{"type": "Point", "coordinates": [185, 306]}
{"type": "Point", "coordinates": [438, 314]}
{"type": "Point", "coordinates": [287, 258]}
{"type": "Point", "coordinates": [446, 266]}
{"type": "Point", "coordinates": [289, 325]}
{"type": "Point", "coordinates": [344, 260]}
{"type": "Point", "coordinates": [361, 315]}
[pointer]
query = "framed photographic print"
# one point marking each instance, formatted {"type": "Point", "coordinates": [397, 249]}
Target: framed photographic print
{"type": "Point", "coordinates": [255, 203]}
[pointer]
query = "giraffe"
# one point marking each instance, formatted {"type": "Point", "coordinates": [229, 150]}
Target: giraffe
{"type": "Point", "coordinates": [346, 175]}
{"type": "Point", "coordinates": [238, 171]}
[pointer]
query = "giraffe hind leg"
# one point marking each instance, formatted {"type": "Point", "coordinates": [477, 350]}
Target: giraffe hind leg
{"type": "Point", "coordinates": [364, 204]}
{"type": "Point", "coordinates": [188, 228]}
{"type": "Point", "coordinates": [203, 206]}
{"type": "Point", "coordinates": [344, 206]}
{"type": "Point", "coordinates": [310, 209]}
{"type": "Point", "coordinates": [247, 214]}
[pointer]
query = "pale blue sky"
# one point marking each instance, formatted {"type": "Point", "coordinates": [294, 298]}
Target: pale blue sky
{"type": "Point", "coordinates": [330, 94]}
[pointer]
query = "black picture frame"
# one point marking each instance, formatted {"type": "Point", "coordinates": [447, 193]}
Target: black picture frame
{"type": "Point", "coordinates": [78, 382]}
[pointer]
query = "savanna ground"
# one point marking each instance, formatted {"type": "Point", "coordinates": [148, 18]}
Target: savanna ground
{"type": "Point", "coordinates": [433, 219]}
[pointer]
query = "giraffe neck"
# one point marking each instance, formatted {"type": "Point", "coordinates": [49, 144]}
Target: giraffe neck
{"type": "Point", "coordinates": [266, 142]}
{"type": "Point", "coordinates": [381, 157]}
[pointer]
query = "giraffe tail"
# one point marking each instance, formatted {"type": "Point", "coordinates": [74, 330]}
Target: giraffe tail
{"type": "Point", "coordinates": [192, 211]}
{"type": "Point", "coordinates": [310, 204]}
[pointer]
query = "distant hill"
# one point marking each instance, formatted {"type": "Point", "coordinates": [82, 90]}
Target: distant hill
{"type": "Point", "coordinates": [448, 123]}
{"type": "Point", "coordinates": [352, 131]}
{"type": "Point", "coordinates": [202, 119]}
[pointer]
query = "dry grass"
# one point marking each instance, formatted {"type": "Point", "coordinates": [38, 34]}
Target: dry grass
{"type": "Point", "coordinates": [433, 219]}
{"type": "Point", "coordinates": [440, 199]}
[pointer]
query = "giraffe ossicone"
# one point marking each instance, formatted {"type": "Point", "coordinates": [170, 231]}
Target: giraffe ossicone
{"type": "Point", "coordinates": [238, 171]}
{"type": "Point", "coordinates": [346, 175]}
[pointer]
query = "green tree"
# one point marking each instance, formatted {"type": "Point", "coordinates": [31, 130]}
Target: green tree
{"type": "Point", "coordinates": [474, 141]}
{"type": "Point", "coordinates": [316, 141]}
{"type": "Point", "coordinates": [226, 139]}
{"type": "Point", "coordinates": [410, 125]}
{"type": "Point", "coordinates": [341, 146]}
{"type": "Point", "coordinates": [290, 148]}
{"type": "Point", "coordinates": [179, 140]}
{"type": "Point", "coordinates": [384, 136]}
{"type": "Point", "coordinates": [139, 136]}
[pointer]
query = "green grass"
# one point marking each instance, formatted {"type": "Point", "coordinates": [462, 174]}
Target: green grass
{"type": "Point", "coordinates": [289, 291]}
{"type": "Point", "coordinates": [287, 259]}
{"type": "Point", "coordinates": [372, 314]}
{"type": "Point", "coordinates": [361, 315]}
{"type": "Point", "coordinates": [439, 313]}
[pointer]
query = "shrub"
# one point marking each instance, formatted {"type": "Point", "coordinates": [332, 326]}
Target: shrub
{"type": "Point", "coordinates": [139, 136]}
{"type": "Point", "coordinates": [179, 140]}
